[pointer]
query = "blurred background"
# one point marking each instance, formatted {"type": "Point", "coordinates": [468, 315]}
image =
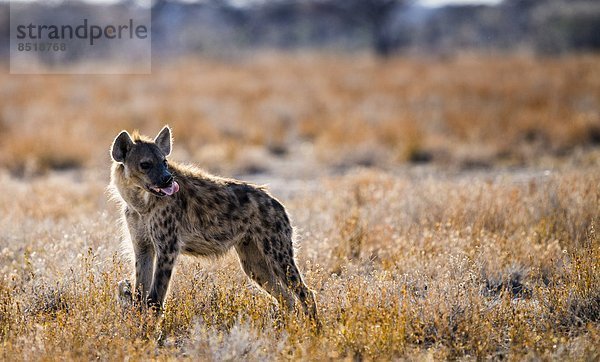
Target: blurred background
{"type": "Point", "coordinates": [304, 87]}
{"type": "Point", "coordinates": [439, 161]}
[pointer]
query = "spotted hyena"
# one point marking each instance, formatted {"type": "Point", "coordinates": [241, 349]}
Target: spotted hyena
{"type": "Point", "coordinates": [171, 209]}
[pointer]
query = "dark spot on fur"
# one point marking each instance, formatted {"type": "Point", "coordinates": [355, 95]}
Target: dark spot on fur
{"type": "Point", "coordinates": [278, 226]}
{"type": "Point", "coordinates": [164, 273]}
{"type": "Point", "coordinates": [231, 208]}
{"type": "Point", "coordinates": [263, 209]}
{"type": "Point", "coordinates": [266, 223]}
{"type": "Point", "coordinates": [275, 242]}
{"type": "Point", "coordinates": [266, 246]}
{"type": "Point", "coordinates": [277, 205]}
{"type": "Point", "coordinates": [208, 203]}
{"type": "Point", "coordinates": [242, 193]}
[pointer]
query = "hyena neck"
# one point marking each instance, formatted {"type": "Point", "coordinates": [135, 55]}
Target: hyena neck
{"type": "Point", "coordinates": [135, 197]}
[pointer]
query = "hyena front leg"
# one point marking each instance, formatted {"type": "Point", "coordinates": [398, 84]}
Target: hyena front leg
{"type": "Point", "coordinates": [144, 269]}
{"type": "Point", "coordinates": [144, 256]}
{"type": "Point", "coordinates": [165, 261]}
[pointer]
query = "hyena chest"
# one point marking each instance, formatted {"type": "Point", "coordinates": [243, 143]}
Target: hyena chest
{"type": "Point", "coordinates": [163, 228]}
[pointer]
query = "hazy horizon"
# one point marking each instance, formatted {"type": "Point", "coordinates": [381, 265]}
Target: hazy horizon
{"type": "Point", "coordinates": [431, 3]}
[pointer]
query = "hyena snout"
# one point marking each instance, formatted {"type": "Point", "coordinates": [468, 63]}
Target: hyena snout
{"type": "Point", "coordinates": [167, 180]}
{"type": "Point", "coordinates": [161, 177]}
{"type": "Point", "coordinates": [163, 183]}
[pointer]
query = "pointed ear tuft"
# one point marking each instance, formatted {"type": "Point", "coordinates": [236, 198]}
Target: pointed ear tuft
{"type": "Point", "coordinates": [121, 145]}
{"type": "Point", "coordinates": [164, 140]}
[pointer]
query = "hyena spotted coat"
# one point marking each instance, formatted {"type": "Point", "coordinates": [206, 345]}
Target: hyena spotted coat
{"type": "Point", "coordinates": [171, 209]}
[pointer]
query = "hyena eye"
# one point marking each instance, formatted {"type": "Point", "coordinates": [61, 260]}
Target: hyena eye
{"type": "Point", "coordinates": [145, 165]}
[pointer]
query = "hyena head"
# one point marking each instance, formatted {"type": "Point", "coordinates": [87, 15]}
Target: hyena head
{"type": "Point", "coordinates": [145, 161]}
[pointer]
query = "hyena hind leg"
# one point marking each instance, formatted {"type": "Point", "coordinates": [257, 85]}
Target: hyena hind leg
{"type": "Point", "coordinates": [290, 277]}
{"type": "Point", "coordinates": [281, 261]}
{"type": "Point", "coordinates": [258, 268]}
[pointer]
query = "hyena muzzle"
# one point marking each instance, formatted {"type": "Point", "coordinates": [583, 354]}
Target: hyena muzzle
{"type": "Point", "coordinates": [170, 209]}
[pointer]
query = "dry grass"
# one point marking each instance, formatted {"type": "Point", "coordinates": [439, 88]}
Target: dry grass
{"type": "Point", "coordinates": [408, 262]}
{"type": "Point", "coordinates": [334, 110]}
{"type": "Point", "coordinates": [405, 266]}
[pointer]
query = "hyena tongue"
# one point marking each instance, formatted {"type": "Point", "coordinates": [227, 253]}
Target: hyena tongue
{"type": "Point", "coordinates": [171, 189]}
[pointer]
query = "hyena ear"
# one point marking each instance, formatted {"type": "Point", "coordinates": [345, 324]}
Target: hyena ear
{"type": "Point", "coordinates": [164, 141]}
{"type": "Point", "coordinates": [121, 145]}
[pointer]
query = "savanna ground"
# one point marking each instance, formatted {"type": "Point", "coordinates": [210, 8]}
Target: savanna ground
{"type": "Point", "coordinates": [444, 208]}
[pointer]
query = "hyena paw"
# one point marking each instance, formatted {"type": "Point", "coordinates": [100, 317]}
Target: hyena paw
{"type": "Point", "coordinates": [125, 293]}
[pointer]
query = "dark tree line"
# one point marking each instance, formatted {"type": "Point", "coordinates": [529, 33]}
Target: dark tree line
{"type": "Point", "coordinates": [374, 15]}
{"type": "Point", "coordinates": [385, 26]}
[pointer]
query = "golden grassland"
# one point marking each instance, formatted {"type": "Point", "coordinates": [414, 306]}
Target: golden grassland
{"type": "Point", "coordinates": [491, 250]}
{"type": "Point", "coordinates": [331, 109]}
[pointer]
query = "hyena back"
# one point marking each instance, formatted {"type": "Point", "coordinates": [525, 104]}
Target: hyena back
{"type": "Point", "coordinates": [171, 209]}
